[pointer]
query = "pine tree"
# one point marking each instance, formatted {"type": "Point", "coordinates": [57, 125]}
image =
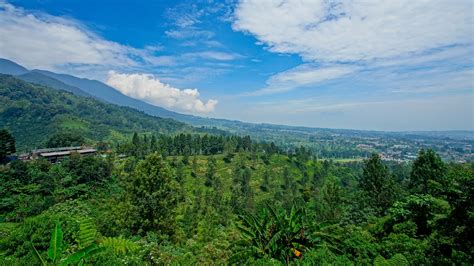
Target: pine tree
{"type": "Point", "coordinates": [136, 139]}
{"type": "Point", "coordinates": [377, 184]}
{"type": "Point", "coordinates": [153, 196]}
{"type": "Point", "coordinates": [265, 186]}
{"type": "Point", "coordinates": [7, 144]}
{"type": "Point", "coordinates": [194, 167]}
{"type": "Point", "coordinates": [245, 187]}
{"type": "Point", "coordinates": [332, 199]}
{"type": "Point", "coordinates": [211, 171]}
{"type": "Point", "coordinates": [242, 193]}
{"type": "Point", "coordinates": [153, 144]}
{"type": "Point", "coordinates": [288, 188]}
{"type": "Point", "coordinates": [428, 173]}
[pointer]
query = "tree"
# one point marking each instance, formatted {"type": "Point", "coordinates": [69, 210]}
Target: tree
{"type": "Point", "coordinates": [136, 139]}
{"type": "Point", "coordinates": [211, 171]}
{"type": "Point", "coordinates": [153, 196]}
{"type": "Point", "coordinates": [247, 191]}
{"type": "Point", "coordinates": [7, 144]}
{"type": "Point", "coordinates": [65, 139]}
{"type": "Point", "coordinates": [265, 186]}
{"type": "Point", "coordinates": [377, 184]}
{"type": "Point", "coordinates": [194, 167]}
{"type": "Point", "coordinates": [288, 188]}
{"type": "Point", "coordinates": [242, 193]}
{"type": "Point", "coordinates": [428, 173]}
{"type": "Point", "coordinates": [331, 200]}
{"type": "Point", "coordinates": [153, 144]}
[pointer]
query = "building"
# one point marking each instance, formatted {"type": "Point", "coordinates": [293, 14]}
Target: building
{"type": "Point", "coordinates": [56, 154]}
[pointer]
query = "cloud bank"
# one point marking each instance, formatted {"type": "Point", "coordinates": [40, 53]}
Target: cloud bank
{"type": "Point", "coordinates": [358, 32]}
{"type": "Point", "coordinates": [303, 75]}
{"type": "Point", "coordinates": [150, 89]}
{"type": "Point", "coordinates": [355, 30]}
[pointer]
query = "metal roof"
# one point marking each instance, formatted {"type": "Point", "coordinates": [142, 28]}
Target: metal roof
{"type": "Point", "coordinates": [63, 153]}
{"type": "Point", "coordinates": [57, 149]}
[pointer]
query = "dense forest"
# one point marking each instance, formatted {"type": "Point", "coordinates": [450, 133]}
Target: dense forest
{"type": "Point", "coordinates": [210, 199]}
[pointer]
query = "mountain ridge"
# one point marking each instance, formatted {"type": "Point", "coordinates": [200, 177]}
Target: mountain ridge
{"type": "Point", "coordinates": [34, 113]}
{"type": "Point", "coordinates": [38, 78]}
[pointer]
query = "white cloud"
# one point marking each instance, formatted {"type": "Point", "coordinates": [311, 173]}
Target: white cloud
{"type": "Point", "coordinates": [150, 89]}
{"type": "Point", "coordinates": [214, 55]}
{"type": "Point", "coordinates": [303, 75]}
{"type": "Point", "coordinates": [189, 33]}
{"type": "Point", "coordinates": [39, 40]}
{"type": "Point", "coordinates": [370, 34]}
{"type": "Point", "coordinates": [355, 30]}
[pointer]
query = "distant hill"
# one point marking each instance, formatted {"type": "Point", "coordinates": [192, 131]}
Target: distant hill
{"type": "Point", "coordinates": [38, 78]}
{"type": "Point", "coordinates": [34, 112]}
{"type": "Point", "coordinates": [11, 68]}
{"type": "Point", "coordinates": [108, 94]}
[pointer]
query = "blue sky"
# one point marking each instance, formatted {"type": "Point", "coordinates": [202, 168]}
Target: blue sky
{"type": "Point", "coordinates": [396, 65]}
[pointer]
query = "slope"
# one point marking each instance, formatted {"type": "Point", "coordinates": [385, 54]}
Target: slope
{"type": "Point", "coordinates": [11, 68]}
{"type": "Point", "coordinates": [111, 95]}
{"type": "Point", "coordinates": [38, 78]}
{"type": "Point", "coordinates": [33, 113]}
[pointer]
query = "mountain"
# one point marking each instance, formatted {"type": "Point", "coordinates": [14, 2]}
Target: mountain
{"type": "Point", "coordinates": [34, 113]}
{"type": "Point", "coordinates": [105, 93]}
{"type": "Point", "coordinates": [38, 78]}
{"type": "Point", "coordinates": [108, 94]}
{"type": "Point", "coordinates": [11, 68]}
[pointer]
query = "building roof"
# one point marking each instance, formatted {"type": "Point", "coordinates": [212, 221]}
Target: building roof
{"type": "Point", "coordinates": [57, 149]}
{"type": "Point", "coordinates": [64, 153]}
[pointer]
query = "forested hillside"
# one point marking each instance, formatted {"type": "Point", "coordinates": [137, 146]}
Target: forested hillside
{"type": "Point", "coordinates": [192, 199]}
{"type": "Point", "coordinates": [33, 113]}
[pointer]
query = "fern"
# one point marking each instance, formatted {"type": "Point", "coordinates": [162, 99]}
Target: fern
{"type": "Point", "coordinates": [87, 232]}
{"type": "Point", "coordinates": [87, 235]}
{"type": "Point", "coordinates": [398, 260]}
{"type": "Point", "coordinates": [381, 261]}
{"type": "Point", "coordinates": [119, 244]}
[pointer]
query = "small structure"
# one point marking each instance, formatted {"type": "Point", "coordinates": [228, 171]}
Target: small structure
{"type": "Point", "coordinates": [56, 154]}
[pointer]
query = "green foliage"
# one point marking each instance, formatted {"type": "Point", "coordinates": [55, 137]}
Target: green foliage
{"type": "Point", "coordinates": [332, 201]}
{"type": "Point", "coordinates": [276, 234]}
{"type": "Point", "coordinates": [82, 255]}
{"type": "Point", "coordinates": [7, 144]}
{"type": "Point", "coordinates": [34, 113]}
{"type": "Point", "coordinates": [151, 208]}
{"type": "Point", "coordinates": [119, 245]}
{"type": "Point", "coordinates": [420, 209]}
{"type": "Point", "coordinates": [55, 245]}
{"type": "Point", "coordinates": [66, 139]}
{"type": "Point", "coordinates": [428, 173]}
{"type": "Point", "coordinates": [377, 184]}
{"type": "Point", "coordinates": [153, 195]}
{"type": "Point", "coordinates": [397, 260]}
{"type": "Point", "coordinates": [87, 232]}
{"type": "Point", "coordinates": [55, 250]}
